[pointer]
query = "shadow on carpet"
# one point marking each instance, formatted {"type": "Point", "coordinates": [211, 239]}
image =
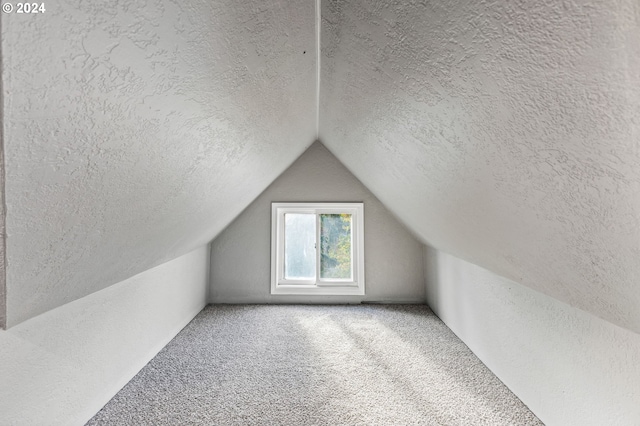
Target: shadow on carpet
{"type": "Point", "coordinates": [315, 365]}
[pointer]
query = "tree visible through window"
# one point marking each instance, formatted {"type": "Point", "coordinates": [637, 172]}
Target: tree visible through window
{"type": "Point", "coordinates": [335, 246]}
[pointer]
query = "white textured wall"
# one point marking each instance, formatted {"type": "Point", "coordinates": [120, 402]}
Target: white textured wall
{"type": "Point", "coordinates": [241, 254]}
{"type": "Point", "coordinates": [568, 366]}
{"type": "Point", "coordinates": [504, 132]}
{"type": "Point", "coordinates": [61, 367]}
{"type": "Point", "coordinates": [136, 131]}
{"type": "Point", "coordinates": [3, 276]}
{"type": "Point", "coordinates": [3, 269]}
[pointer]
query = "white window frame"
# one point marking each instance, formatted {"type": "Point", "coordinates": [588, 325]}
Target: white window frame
{"type": "Point", "coordinates": [317, 286]}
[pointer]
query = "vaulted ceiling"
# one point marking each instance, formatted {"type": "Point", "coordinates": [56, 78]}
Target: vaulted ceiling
{"type": "Point", "coordinates": [505, 133]}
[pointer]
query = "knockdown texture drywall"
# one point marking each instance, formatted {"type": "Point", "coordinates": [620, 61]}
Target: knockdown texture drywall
{"type": "Point", "coordinates": [3, 270]}
{"type": "Point", "coordinates": [3, 265]}
{"type": "Point", "coordinates": [503, 132]}
{"type": "Point", "coordinates": [136, 131]}
{"type": "Point", "coordinates": [241, 254]}
{"type": "Point", "coordinates": [61, 367]}
{"type": "Point", "coordinates": [569, 367]}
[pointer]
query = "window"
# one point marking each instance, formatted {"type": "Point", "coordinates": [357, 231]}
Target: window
{"type": "Point", "coordinates": [317, 248]}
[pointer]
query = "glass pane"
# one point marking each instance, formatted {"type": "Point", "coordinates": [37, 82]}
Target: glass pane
{"type": "Point", "coordinates": [299, 246]}
{"type": "Point", "coordinates": [335, 246]}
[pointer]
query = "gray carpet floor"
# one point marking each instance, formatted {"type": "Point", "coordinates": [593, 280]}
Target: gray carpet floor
{"type": "Point", "coordinates": [315, 365]}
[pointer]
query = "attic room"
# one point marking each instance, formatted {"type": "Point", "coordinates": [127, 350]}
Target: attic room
{"type": "Point", "coordinates": [480, 163]}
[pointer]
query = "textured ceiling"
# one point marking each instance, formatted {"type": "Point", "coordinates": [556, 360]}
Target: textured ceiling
{"type": "Point", "coordinates": [135, 131]}
{"type": "Point", "coordinates": [505, 133]}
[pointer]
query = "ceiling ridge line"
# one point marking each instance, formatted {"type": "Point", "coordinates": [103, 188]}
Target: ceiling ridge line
{"type": "Point", "coordinates": [318, 27]}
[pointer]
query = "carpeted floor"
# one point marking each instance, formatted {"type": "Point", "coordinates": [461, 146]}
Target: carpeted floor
{"type": "Point", "coordinates": [315, 365]}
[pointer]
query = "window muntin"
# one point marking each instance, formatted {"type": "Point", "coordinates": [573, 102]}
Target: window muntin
{"type": "Point", "coordinates": [318, 248]}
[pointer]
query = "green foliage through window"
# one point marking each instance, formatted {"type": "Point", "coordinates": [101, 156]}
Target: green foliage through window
{"type": "Point", "coordinates": [335, 246]}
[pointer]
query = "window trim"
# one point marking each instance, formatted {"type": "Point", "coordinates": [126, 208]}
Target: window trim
{"type": "Point", "coordinates": [325, 287]}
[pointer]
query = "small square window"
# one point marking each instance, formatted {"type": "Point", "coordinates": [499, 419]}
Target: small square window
{"type": "Point", "coordinates": [317, 248]}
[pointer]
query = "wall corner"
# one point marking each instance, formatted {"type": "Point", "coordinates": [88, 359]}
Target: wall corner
{"type": "Point", "coordinates": [209, 274]}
